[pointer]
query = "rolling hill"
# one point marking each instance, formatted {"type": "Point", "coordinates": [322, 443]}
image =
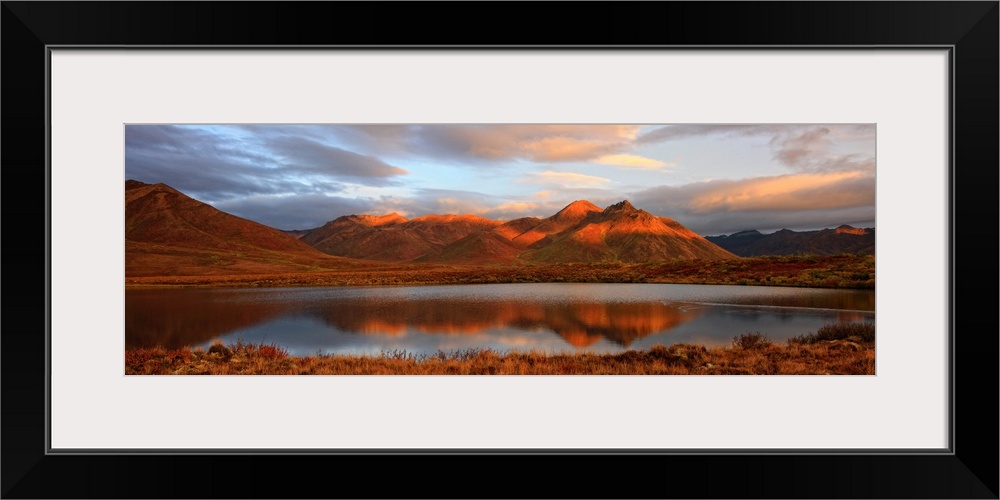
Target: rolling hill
{"type": "Point", "coordinates": [169, 233]}
{"type": "Point", "coordinates": [392, 237]}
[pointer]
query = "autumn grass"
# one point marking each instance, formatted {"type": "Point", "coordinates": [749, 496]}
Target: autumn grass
{"type": "Point", "coordinates": [853, 332]}
{"type": "Point", "coordinates": [835, 271]}
{"type": "Point", "coordinates": [835, 349]}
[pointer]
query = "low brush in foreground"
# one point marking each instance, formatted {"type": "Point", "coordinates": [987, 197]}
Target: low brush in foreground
{"type": "Point", "coordinates": [835, 349]}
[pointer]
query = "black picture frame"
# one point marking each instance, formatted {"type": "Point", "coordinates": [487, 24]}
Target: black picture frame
{"type": "Point", "coordinates": [969, 470]}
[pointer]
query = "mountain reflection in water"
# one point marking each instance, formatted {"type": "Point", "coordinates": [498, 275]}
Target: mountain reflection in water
{"type": "Point", "coordinates": [548, 317]}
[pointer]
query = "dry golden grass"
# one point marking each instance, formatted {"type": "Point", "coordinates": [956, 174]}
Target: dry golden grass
{"type": "Point", "coordinates": [838, 351]}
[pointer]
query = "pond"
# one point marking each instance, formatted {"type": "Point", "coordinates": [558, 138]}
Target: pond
{"type": "Point", "coordinates": [543, 317]}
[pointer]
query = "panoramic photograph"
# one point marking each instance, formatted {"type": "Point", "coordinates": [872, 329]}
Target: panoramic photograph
{"type": "Point", "coordinates": [499, 249]}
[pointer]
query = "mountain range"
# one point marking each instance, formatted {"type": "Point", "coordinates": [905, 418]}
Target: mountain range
{"type": "Point", "coordinates": [169, 233]}
{"type": "Point", "coordinates": [843, 239]}
{"type": "Point", "coordinates": [580, 232]}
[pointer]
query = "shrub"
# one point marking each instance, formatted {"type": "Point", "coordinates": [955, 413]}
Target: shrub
{"type": "Point", "coordinates": [219, 348]}
{"type": "Point", "coordinates": [839, 331]}
{"type": "Point", "coordinates": [271, 351]}
{"type": "Point", "coordinates": [751, 340]}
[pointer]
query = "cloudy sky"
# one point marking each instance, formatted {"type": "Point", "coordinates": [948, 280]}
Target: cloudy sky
{"type": "Point", "coordinates": [714, 179]}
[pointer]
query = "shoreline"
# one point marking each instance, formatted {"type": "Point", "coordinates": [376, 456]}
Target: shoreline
{"type": "Point", "coordinates": [835, 349]}
{"type": "Point", "coordinates": [840, 271]}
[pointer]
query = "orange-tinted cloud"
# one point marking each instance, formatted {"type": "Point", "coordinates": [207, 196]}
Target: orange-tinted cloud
{"type": "Point", "coordinates": [795, 201]}
{"type": "Point", "coordinates": [515, 206]}
{"type": "Point", "coordinates": [564, 179]}
{"type": "Point", "coordinates": [454, 205]}
{"type": "Point", "coordinates": [561, 148]}
{"type": "Point", "coordinates": [632, 161]}
{"type": "Point", "coordinates": [547, 143]}
{"type": "Point", "coordinates": [785, 192]}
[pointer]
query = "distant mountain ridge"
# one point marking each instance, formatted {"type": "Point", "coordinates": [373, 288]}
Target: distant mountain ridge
{"type": "Point", "coordinates": [580, 232]}
{"type": "Point", "coordinates": [842, 239]}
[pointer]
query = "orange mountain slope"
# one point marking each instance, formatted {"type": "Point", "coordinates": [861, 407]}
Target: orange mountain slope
{"type": "Point", "coordinates": [392, 237]}
{"type": "Point", "coordinates": [571, 215]}
{"type": "Point", "coordinates": [623, 233]}
{"type": "Point", "coordinates": [169, 233]}
{"type": "Point", "coordinates": [506, 241]}
{"type": "Point", "coordinates": [580, 232]}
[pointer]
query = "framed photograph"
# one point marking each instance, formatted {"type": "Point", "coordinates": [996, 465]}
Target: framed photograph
{"type": "Point", "coordinates": [500, 249]}
{"type": "Point", "coordinates": [874, 114]}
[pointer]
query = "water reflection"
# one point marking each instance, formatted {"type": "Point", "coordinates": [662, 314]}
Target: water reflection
{"type": "Point", "coordinates": [545, 317]}
{"type": "Point", "coordinates": [175, 318]}
{"type": "Point", "coordinates": [579, 323]}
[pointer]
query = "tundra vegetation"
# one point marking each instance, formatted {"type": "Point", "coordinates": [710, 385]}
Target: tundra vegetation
{"type": "Point", "coordinates": [834, 349]}
{"type": "Point", "coordinates": [835, 271]}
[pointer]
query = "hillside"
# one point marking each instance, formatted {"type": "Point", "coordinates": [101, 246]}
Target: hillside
{"type": "Point", "coordinates": [169, 233]}
{"type": "Point", "coordinates": [392, 237]}
{"type": "Point", "coordinates": [506, 241]}
{"type": "Point", "coordinates": [623, 233]}
{"type": "Point", "coordinates": [571, 215]}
